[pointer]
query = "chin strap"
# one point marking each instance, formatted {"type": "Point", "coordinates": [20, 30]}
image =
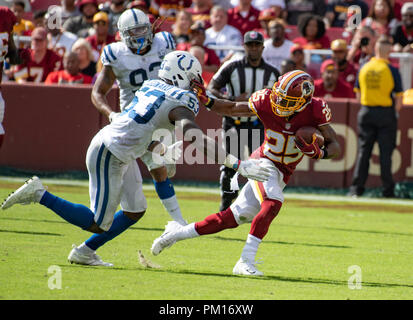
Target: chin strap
{"type": "Point", "coordinates": [140, 42]}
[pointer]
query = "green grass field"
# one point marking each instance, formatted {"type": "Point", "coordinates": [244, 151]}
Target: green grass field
{"type": "Point", "coordinates": [306, 254]}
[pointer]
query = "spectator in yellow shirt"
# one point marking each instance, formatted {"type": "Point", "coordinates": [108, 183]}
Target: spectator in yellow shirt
{"type": "Point", "coordinates": [22, 27]}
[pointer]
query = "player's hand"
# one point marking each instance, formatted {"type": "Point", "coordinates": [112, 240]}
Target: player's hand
{"type": "Point", "coordinates": [164, 155]}
{"type": "Point", "coordinates": [311, 150]}
{"type": "Point", "coordinates": [255, 170]}
{"type": "Point", "coordinates": [113, 115]}
{"type": "Point", "coordinates": [200, 91]}
{"type": "Point", "coordinates": [173, 152]}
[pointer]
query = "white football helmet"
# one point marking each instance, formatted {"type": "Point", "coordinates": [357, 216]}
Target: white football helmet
{"type": "Point", "coordinates": [180, 68]}
{"type": "Point", "coordinates": [135, 29]}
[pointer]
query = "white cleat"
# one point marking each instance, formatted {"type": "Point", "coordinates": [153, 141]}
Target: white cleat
{"type": "Point", "coordinates": [75, 256]}
{"type": "Point", "coordinates": [246, 268]}
{"type": "Point", "coordinates": [26, 194]}
{"type": "Point", "coordinates": [167, 239]}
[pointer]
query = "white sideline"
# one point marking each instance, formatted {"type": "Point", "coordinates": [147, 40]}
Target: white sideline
{"type": "Point", "coordinates": [287, 195]}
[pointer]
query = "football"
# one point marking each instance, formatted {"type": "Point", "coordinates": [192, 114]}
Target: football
{"type": "Point", "coordinates": [306, 133]}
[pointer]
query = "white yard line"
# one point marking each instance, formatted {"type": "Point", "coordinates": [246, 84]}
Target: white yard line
{"type": "Point", "coordinates": [287, 195]}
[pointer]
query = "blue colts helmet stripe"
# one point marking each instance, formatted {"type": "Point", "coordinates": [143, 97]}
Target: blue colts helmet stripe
{"type": "Point", "coordinates": [134, 16]}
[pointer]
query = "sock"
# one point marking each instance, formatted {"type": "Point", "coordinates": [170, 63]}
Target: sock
{"type": "Point", "coordinates": [171, 205]}
{"type": "Point", "coordinates": [250, 249]}
{"type": "Point", "coordinates": [261, 223]}
{"type": "Point", "coordinates": [76, 214]}
{"type": "Point", "coordinates": [166, 193]}
{"type": "Point", "coordinates": [216, 222]}
{"type": "Point", "coordinates": [187, 232]}
{"type": "Point", "coordinates": [120, 224]}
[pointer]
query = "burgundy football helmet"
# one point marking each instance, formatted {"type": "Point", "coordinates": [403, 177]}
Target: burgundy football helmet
{"type": "Point", "coordinates": [292, 93]}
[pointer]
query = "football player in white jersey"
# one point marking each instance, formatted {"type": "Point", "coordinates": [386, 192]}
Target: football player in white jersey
{"type": "Point", "coordinates": [157, 105]}
{"type": "Point", "coordinates": [130, 62]}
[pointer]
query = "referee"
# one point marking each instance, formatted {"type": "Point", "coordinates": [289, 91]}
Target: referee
{"type": "Point", "coordinates": [379, 90]}
{"type": "Point", "coordinates": [239, 79]}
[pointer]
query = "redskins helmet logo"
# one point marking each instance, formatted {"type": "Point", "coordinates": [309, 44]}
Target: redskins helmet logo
{"type": "Point", "coordinates": [307, 88]}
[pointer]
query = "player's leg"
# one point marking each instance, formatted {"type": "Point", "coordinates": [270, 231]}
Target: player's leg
{"type": "Point", "coordinates": [133, 207]}
{"type": "Point", "coordinates": [33, 191]}
{"type": "Point", "coordinates": [242, 210]}
{"type": "Point", "coordinates": [367, 136]}
{"type": "Point", "coordinates": [164, 187]}
{"type": "Point", "coordinates": [233, 146]}
{"type": "Point", "coordinates": [227, 195]}
{"type": "Point", "coordinates": [387, 142]}
{"type": "Point", "coordinates": [269, 196]}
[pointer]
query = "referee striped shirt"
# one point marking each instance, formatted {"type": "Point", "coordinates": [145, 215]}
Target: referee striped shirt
{"type": "Point", "coordinates": [239, 76]}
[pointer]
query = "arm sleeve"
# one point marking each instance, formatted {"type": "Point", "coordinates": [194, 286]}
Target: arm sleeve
{"type": "Point", "coordinates": [108, 56]}
{"type": "Point", "coordinates": [322, 113]}
{"type": "Point", "coordinates": [357, 83]}
{"type": "Point", "coordinates": [398, 87]}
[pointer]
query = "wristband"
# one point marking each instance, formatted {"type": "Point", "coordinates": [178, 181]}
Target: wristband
{"type": "Point", "coordinates": [210, 103]}
{"type": "Point", "coordinates": [232, 162]}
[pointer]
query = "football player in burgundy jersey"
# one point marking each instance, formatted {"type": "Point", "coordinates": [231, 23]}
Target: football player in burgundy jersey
{"type": "Point", "coordinates": [7, 50]}
{"type": "Point", "coordinates": [283, 109]}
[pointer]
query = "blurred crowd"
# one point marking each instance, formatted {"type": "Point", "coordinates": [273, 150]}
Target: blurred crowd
{"type": "Point", "coordinates": [67, 38]}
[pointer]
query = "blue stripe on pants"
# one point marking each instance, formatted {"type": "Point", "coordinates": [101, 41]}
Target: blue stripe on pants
{"type": "Point", "coordinates": [99, 158]}
{"type": "Point", "coordinates": [106, 188]}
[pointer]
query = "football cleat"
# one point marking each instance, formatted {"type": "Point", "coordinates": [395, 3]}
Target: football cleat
{"type": "Point", "coordinates": [26, 194]}
{"type": "Point", "coordinates": [167, 239]}
{"type": "Point", "coordinates": [246, 268]}
{"type": "Point", "coordinates": [78, 257]}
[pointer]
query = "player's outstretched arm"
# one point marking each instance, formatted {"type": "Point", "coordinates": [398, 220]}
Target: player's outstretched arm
{"type": "Point", "coordinates": [221, 106]}
{"type": "Point", "coordinates": [331, 145]}
{"type": "Point", "coordinates": [185, 120]}
{"type": "Point", "coordinates": [102, 86]}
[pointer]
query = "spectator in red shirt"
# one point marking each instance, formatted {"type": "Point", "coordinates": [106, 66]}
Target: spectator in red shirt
{"type": "Point", "coordinates": [347, 71]}
{"type": "Point", "coordinates": [101, 37]}
{"type": "Point", "coordinates": [200, 11]}
{"type": "Point", "coordinates": [330, 85]}
{"type": "Point", "coordinates": [197, 38]}
{"type": "Point", "coordinates": [312, 30]}
{"type": "Point", "coordinates": [40, 61]}
{"type": "Point", "coordinates": [244, 17]}
{"type": "Point", "coordinates": [71, 73]}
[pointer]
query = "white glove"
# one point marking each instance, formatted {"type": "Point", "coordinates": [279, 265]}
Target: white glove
{"type": "Point", "coordinates": [171, 154]}
{"type": "Point", "coordinates": [113, 115]}
{"type": "Point", "coordinates": [255, 170]}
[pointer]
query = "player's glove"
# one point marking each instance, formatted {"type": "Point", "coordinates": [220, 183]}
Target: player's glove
{"type": "Point", "coordinates": [251, 169]}
{"type": "Point", "coordinates": [162, 154]}
{"type": "Point", "coordinates": [200, 91]}
{"type": "Point", "coordinates": [311, 150]}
